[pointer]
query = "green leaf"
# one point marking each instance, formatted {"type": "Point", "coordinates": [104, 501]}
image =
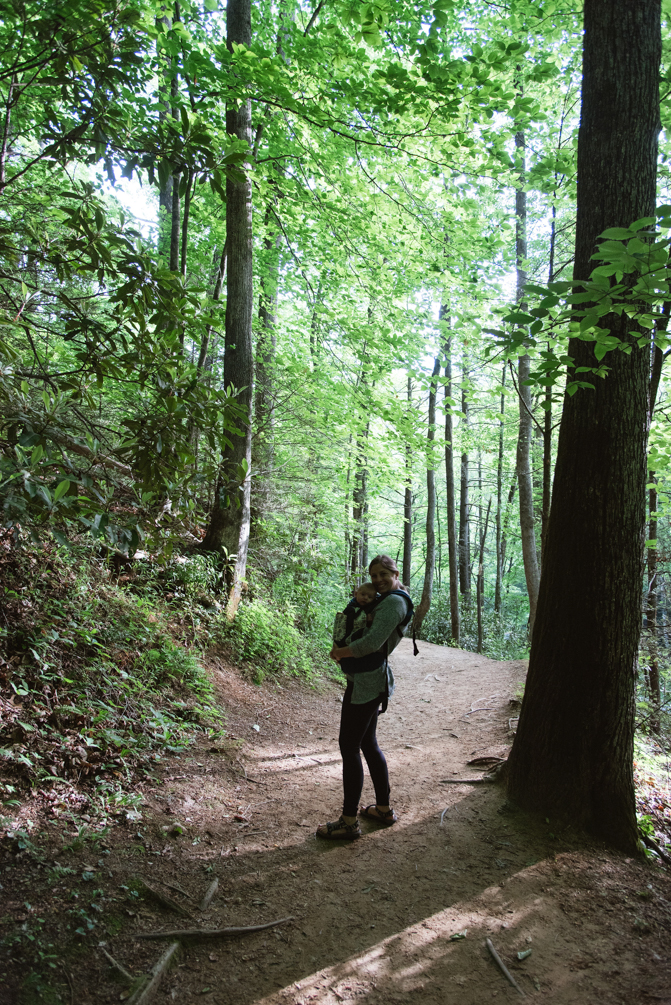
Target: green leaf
{"type": "Point", "coordinates": [61, 489]}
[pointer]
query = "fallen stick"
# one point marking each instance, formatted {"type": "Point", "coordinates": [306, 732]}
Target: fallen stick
{"type": "Point", "coordinates": [209, 894]}
{"type": "Point", "coordinates": [655, 847]}
{"type": "Point", "coordinates": [442, 815]}
{"type": "Point", "coordinates": [165, 901]}
{"type": "Point", "coordinates": [466, 781]}
{"type": "Point", "coordinates": [147, 991]}
{"type": "Point", "coordinates": [121, 970]}
{"type": "Point", "coordinates": [177, 888]}
{"type": "Point", "coordinates": [211, 933]}
{"type": "Point", "coordinates": [503, 968]}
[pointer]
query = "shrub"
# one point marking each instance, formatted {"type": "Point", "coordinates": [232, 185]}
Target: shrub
{"type": "Point", "coordinates": [267, 638]}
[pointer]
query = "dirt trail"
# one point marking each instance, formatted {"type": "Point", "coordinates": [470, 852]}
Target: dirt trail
{"type": "Point", "coordinates": [377, 920]}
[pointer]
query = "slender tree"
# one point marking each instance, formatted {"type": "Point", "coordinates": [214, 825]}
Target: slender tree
{"type": "Point", "coordinates": [452, 544]}
{"type": "Point", "coordinates": [430, 566]}
{"type": "Point", "coordinates": [499, 498]}
{"type": "Point", "coordinates": [573, 751]}
{"type": "Point", "coordinates": [407, 499]}
{"type": "Point", "coordinates": [464, 508]}
{"type": "Point", "coordinates": [524, 475]}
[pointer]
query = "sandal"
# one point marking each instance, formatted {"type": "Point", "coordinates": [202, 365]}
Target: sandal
{"type": "Point", "coordinates": [372, 813]}
{"type": "Point", "coordinates": [338, 830]}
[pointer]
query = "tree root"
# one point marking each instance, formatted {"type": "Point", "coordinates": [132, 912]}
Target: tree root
{"type": "Point", "coordinates": [211, 933]}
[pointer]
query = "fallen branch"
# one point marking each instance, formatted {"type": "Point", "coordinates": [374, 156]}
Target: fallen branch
{"type": "Point", "coordinates": [120, 970]}
{"type": "Point", "coordinates": [209, 894]}
{"type": "Point", "coordinates": [147, 991]}
{"type": "Point", "coordinates": [211, 933]}
{"type": "Point", "coordinates": [503, 968]}
{"type": "Point", "coordinates": [487, 780]}
{"type": "Point", "coordinates": [655, 847]}
{"type": "Point", "coordinates": [484, 762]}
{"type": "Point", "coordinates": [164, 900]}
{"type": "Point", "coordinates": [177, 888]}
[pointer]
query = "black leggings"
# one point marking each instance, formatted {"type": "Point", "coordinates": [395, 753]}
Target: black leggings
{"type": "Point", "coordinates": [357, 735]}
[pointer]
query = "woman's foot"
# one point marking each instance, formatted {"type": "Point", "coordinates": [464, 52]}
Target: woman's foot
{"type": "Point", "coordinates": [381, 814]}
{"type": "Point", "coordinates": [343, 829]}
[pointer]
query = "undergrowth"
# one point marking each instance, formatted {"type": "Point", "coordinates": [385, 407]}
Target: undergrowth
{"type": "Point", "coordinates": [101, 675]}
{"type": "Point", "coordinates": [504, 634]}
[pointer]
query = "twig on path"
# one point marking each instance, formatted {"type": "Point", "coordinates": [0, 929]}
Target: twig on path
{"type": "Point", "coordinates": [443, 814]}
{"type": "Point", "coordinates": [485, 708]}
{"type": "Point", "coordinates": [211, 933]}
{"type": "Point", "coordinates": [164, 901]}
{"type": "Point", "coordinates": [147, 991]}
{"type": "Point", "coordinates": [121, 970]}
{"type": "Point", "coordinates": [209, 894]}
{"type": "Point", "coordinates": [177, 887]}
{"type": "Point", "coordinates": [655, 847]}
{"type": "Point", "coordinates": [503, 968]}
{"type": "Point", "coordinates": [487, 780]}
{"type": "Point", "coordinates": [70, 984]}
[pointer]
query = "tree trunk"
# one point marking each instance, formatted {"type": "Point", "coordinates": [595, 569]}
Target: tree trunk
{"type": "Point", "coordinates": [263, 451]}
{"type": "Point", "coordinates": [407, 502]}
{"type": "Point", "coordinates": [228, 530]}
{"type": "Point", "coordinates": [455, 628]}
{"type": "Point", "coordinates": [524, 475]}
{"type": "Point", "coordinates": [572, 755]}
{"type": "Point", "coordinates": [464, 527]}
{"type": "Point", "coordinates": [651, 608]}
{"type": "Point", "coordinates": [430, 566]}
{"type": "Point", "coordinates": [499, 499]}
{"type": "Point", "coordinates": [480, 585]}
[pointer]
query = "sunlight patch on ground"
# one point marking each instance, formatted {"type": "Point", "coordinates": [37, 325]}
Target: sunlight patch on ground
{"type": "Point", "coordinates": [407, 960]}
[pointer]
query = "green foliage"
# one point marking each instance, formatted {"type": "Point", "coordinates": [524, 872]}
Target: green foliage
{"type": "Point", "coordinates": [505, 634]}
{"type": "Point", "coordinates": [265, 637]}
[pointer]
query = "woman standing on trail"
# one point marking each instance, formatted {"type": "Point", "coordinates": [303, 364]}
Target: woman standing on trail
{"type": "Point", "coordinates": [370, 682]}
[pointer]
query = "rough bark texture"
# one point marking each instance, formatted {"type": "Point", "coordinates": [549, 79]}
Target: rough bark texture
{"type": "Point", "coordinates": [230, 518]}
{"type": "Point", "coordinates": [572, 755]}
{"type": "Point", "coordinates": [430, 566]}
{"type": "Point", "coordinates": [455, 627]}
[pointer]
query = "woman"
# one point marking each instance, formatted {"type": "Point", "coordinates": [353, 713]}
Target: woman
{"type": "Point", "coordinates": [369, 684]}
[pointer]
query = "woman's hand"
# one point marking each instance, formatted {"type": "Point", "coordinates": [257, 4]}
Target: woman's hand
{"type": "Point", "coordinates": [340, 654]}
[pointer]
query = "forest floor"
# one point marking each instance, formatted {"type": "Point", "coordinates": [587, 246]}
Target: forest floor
{"type": "Point", "coordinates": [400, 915]}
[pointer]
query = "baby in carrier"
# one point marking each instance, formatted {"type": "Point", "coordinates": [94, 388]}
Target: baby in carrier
{"type": "Point", "coordinates": [350, 623]}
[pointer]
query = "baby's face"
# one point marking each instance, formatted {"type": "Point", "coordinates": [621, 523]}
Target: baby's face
{"type": "Point", "coordinates": [364, 596]}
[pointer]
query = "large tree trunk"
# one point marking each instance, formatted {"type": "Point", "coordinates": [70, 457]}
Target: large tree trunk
{"type": "Point", "coordinates": [464, 513]}
{"type": "Point", "coordinates": [455, 628]}
{"type": "Point", "coordinates": [572, 755]}
{"type": "Point", "coordinates": [524, 476]}
{"type": "Point", "coordinates": [430, 566]}
{"type": "Point", "coordinates": [230, 518]}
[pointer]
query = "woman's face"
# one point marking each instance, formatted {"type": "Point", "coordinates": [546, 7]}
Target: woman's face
{"type": "Point", "coordinates": [384, 579]}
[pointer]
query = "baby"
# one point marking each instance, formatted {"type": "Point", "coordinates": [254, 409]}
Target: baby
{"type": "Point", "coordinates": [350, 623]}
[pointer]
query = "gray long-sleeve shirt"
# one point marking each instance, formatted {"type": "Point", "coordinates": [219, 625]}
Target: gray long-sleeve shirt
{"type": "Point", "coordinates": [388, 615]}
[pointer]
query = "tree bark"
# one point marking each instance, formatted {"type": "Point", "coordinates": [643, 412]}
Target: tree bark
{"type": "Point", "coordinates": [455, 627]}
{"type": "Point", "coordinates": [430, 566]}
{"type": "Point", "coordinates": [572, 758]}
{"type": "Point", "coordinates": [464, 525]}
{"type": "Point", "coordinates": [229, 526]}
